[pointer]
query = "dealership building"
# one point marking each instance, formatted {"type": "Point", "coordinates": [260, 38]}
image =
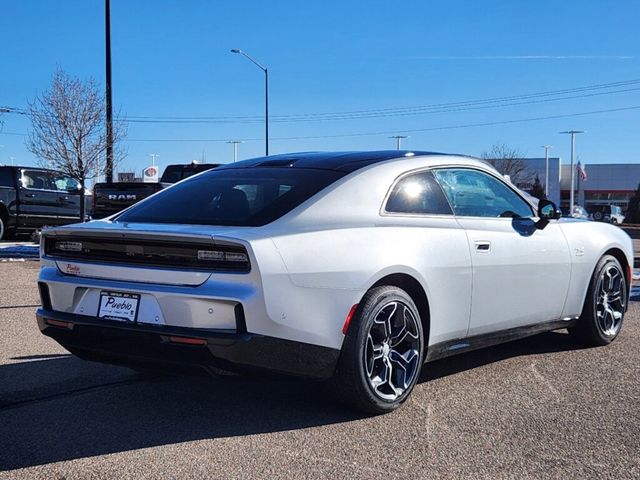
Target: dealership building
{"type": "Point", "coordinates": [606, 183]}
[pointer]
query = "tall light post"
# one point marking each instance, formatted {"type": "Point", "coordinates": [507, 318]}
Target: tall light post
{"type": "Point", "coordinates": [266, 97]}
{"type": "Point", "coordinates": [546, 171]}
{"type": "Point", "coordinates": [573, 134]}
{"type": "Point", "coordinates": [235, 148]}
{"type": "Point", "coordinates": [108, 173]}
{"type": "Point", "coordinates": [153, 158]}
{"type": "Point", "coordinates": [398, 139]}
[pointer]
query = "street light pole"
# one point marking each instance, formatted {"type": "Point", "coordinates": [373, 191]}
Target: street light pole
{"type": "Point", "coordinates": [235, 148]}
{"type": "Point", "coordinates": [266, 97]}
{"type": "Point", "coordinates": [573, 173]}
{"type": "Point", "coordinates": [108, 173]}
{"type": "Point", "coordinates": [546, 171]}
{"type": "Point", "coordinates": [398, 139]}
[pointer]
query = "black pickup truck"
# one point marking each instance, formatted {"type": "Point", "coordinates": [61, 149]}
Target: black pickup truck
{"type": "Point", "coordinates": [115, 197]}
{"type": "Point", "coordinates": [32, 198]}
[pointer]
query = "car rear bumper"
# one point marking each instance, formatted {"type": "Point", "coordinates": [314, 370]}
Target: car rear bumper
{"type": "Point", "coordinates": [140, 345]}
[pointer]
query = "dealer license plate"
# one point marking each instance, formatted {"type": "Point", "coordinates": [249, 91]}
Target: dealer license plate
{"type": "Point", "coordinates": [118, 306]}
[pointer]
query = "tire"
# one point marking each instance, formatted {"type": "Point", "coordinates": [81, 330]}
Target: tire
{"type": "Point", "coordinates": [605, 305]}
{"type": "Point", "coordinates": [614, 221]}
{"type": "Point", "coordinates": [382, 353]}
{"type": "Point", "coordinates": [5, 232]}
{"type": "Point", "coordinates": [597, 215]}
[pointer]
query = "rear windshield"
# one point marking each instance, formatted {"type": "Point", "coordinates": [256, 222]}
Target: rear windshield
{"type": "Point", "coordinates": [175, 173]}
{"type": "Point", "coordinates": [239, 197]}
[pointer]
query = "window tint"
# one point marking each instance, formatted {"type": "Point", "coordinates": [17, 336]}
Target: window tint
{"type": "Point", "coordinates": [418, 193]}
{"type": "Point", "coordinates": [38, 179]}
{"type": "Point", "coordinates": [477, 194]}
{"type": "Point", "coordinates": [66, 184]}
{"type": "Point", "coordinates": [6, 177]}
{"type": "Point", "coordinates": [175, 173]}
{"type": "Point", "coordinates": [242, 197]}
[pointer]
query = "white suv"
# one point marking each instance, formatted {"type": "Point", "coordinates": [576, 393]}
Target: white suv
{"type": "Point", "coordinates": [616, 216]}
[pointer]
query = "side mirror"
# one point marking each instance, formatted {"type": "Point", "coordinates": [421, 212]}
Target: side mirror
{"type": "Point", "coordinates": [547, 210]}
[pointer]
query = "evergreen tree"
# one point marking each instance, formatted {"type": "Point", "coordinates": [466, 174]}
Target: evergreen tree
{"type": "Point", "coordinates": [633, 210]}
{"type": "Point", "coordinates": [538, 190]}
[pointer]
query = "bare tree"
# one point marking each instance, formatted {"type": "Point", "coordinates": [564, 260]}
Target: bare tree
{"type": "Point", "coordinates": [509, 161]}
{"type": "Point", "coordinates": [69, 132]}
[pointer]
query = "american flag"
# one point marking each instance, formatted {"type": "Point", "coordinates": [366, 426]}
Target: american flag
{"type": "Point", "coordinates": [581, 171]}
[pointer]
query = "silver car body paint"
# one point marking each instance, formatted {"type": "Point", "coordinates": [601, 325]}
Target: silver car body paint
{"type": "Point", "coordinates": [309, 267]}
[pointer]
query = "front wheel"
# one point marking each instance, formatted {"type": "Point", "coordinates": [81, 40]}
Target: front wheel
{"type": "Point", "coordinates": [382, 352]}
{"type": "Point", "coordinates": [605, 305]}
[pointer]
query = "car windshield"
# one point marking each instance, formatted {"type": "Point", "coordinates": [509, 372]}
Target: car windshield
{"type": "Point", "coordinates": [239, 197]}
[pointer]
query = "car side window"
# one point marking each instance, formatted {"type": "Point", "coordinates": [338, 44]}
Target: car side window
{"type": "Point", "coordinates": [65, 184]}
{"type": "Point", "coordinates": [6, 177]}
{"type": "Point", "coordinates": [473, 193]}
{"type": "Point", "coordinates": [418, 193]}
{"type": "Point", "coordinates": [37, 180]}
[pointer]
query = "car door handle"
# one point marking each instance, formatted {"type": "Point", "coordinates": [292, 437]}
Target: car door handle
{"type": "Point", "coordinates": [30, 195]}
{"type": "Point", "coordinates": [483, 246]}
{"type": "Point", "coordinates": [64, 197]}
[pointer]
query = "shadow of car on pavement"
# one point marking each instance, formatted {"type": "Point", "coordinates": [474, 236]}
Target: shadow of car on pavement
{"type": "Point", "coordinates": [112, 409]}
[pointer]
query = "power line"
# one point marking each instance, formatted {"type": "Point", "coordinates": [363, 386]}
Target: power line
{"type": "Point", "coordinates": [381, 115]}
{"type": "Point", "coordinates": [388, 132]}
{"type": "Point", "coordinates": [496, 102]}
{"type": "Point", "coordinates": [401, 109]}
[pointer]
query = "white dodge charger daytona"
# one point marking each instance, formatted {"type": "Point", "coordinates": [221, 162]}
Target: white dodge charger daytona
{"type": "Point", "coordinates": [356, 267]}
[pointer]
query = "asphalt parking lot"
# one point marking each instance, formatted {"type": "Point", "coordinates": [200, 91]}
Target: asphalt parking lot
{"type": "Point", "coordinates": [536, 408]}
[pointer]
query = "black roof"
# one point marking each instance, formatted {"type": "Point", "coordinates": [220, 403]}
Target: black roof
{"type": "Point", "coordinates": [340, 161]}
{"type": "Point", "coordinates": [29, 167]}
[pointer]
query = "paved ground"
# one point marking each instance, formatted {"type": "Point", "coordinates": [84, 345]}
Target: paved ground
{"type": "Point", "coordinates": [537, 408]}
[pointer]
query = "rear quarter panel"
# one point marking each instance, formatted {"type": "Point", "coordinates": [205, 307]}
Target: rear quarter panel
{"type": "Point", "coordinates": [333, 269]}
{"type": "Point", "coordinates": [340, 243]}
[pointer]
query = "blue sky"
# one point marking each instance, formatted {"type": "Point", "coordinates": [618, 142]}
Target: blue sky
{"type": "Point", "coordinates": [171, 58]}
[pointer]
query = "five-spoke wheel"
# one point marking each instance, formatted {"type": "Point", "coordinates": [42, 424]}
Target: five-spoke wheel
{"type": "Point", "coordinates": [392, 350]}
{"type": "Point", "coordinates": [605, 304]}
{"type": "Point", "coordinates": [382, 352]}
{"type": "Point", "coordinates": [610, 299]}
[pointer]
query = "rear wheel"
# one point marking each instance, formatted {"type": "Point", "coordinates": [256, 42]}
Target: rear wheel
{"type": "Point", "coordinates": [605, 305]}
{"type": "Point", "coordinates": [382, 352]}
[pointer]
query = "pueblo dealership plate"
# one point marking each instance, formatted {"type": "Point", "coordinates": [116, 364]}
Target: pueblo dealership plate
{"type": "Point", "coordinates": [118, 306]}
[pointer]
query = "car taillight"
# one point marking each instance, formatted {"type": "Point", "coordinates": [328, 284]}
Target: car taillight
{"type": "Point", "coordinates": [188, 340]}
{"type": "Point", "coordinates": [228, 258]}
{"type": "Point", "coordinates": [68, 246]}
{"type": "Point", "coordinates": [220, 256]}
{"type": "Point", "coordinates": [156, 252]}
